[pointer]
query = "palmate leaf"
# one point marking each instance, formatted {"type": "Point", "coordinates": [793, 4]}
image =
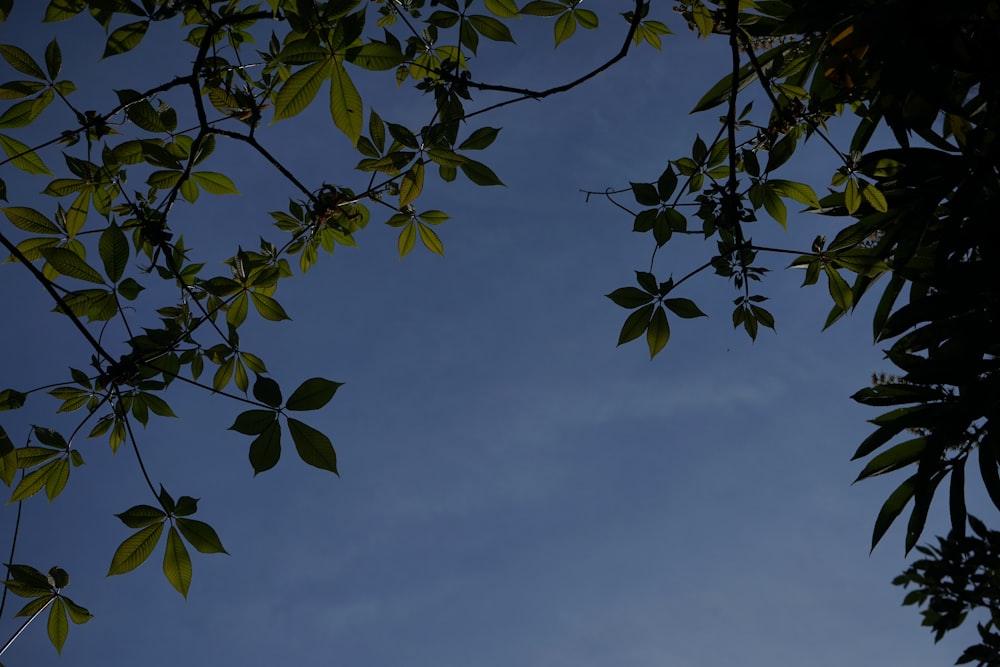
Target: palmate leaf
{"type": "Point", "coordinates": [21, 156]}
{"type": "Point", "coordinates": [201, 536]}
{"type": "Point", "coordinates": [658, 332]}
{"type": "Point", "coordinates": [312, 394]}
{"type": "Point", "coordinates": [265, 450]}
{"type": "Point", "coordinates": [313, 446]}
{"type": "Point", "coordinates": [20, 60]}
{"type": "Point", "coordinates": [299, 90]}
{"type": "Point", "coordinates": [69, 264]}
{"type": "Point", "coordinates": [134, 551]}
{"type": "Point", "coordinates": [58, 625]}
{"type": "Point", "coordinates": [177, 562]}
{"type": "Point", "coordinates": [346, 106]}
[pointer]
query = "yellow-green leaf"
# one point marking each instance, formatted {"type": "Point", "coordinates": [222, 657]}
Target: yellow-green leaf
{"type": "Point", "coordinates": [658, 332]}
{"type": "Point", "coordinates": [177, 562]}
{"type": "Point", "coordinates": [430, 239]}
{"type": "Point", "coordinates": [412, 184]}
{"type": "Point", "coordinates": [345, 102]}
{"type": "Point", "coordinates": [21, 156]}
{"type": "Point", "coordinates": [134, 551]}
{"type": "Point", "coordinates": [299, 91]}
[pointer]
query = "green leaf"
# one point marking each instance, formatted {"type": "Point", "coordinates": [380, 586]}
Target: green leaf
{"type": "Point", "coordinates": [636, 324]}
{"type": "Point", "coordinates": [177, 563]}
{"type": "Point", "coordinates": [140, 516]}
{"type": "Point", "coordinates": [268, 308]}
{"type": "Point", "coordinates": [430, 239]}
{"type": "Point", "coordinates": [114, 250]}
{"type": "Point", "coordinates": [543, 8]}
{"type": "Point", "coordinates": [645, 194]}
{"type": "Point", "coordinates": [57, 478]}
{"type": "Point", "coordinates": [19, 59]}
{"type": "Point", "coordinates": [53, 59]}
{"type": "Point", "coordinates": [22, 157]}
{"type": "Point", "coordinates": [800, 192]}
{"type": "Point", "coordinates": [213, 183]}
{"type": "Point", "coordinates": [894, 458]}
{"type": "Point", "coordinates": [490, 28]}
{"type": "Point", "coordinates": [479, 173]}
{"type": "Point", "coordinates": [685, 308]}
{"type": "Point", "coordinates": [60, 10]}
{"type": "Point", "coordinates": [236, 313]}
{"type": "Point", "coordinates": [407, 238]}
{"type": "Point", "coordinates": [839, 289]}
{"type": "Point", "coordinates": [565, 27]}
{"type": "Point", "coordinates": [874, 197]}
{"type": "Point", "coordinates": [411, 185]}
{"type": "Point", "coordinates": [505, 9]}
{"type": "Point", "coordinates": [312, 394]}
{"type": "Point", "coordinates": [265, 450]}
{"type": "Point", "coordinates": [587, 19]}
{"type": "Point", "coordinates": [658, 332]}
{"type": "Point", "coordinates": [299, 90]}
{"type": "Point", "coordinates": [346, 107]}
{"type": "Point", "coordinates": [77, 614]}
{"type": "Point", "coordinates": [313, 447]}
{"type": "Point", "coordinates": [68, 263]}
{"type": "Point", "coordinates": [852, 198]}
{"type": "Point", "coordinates": [892, 508]}
{"type": "Point", "coordinates": [201, 536]}
{"type": "Point", "coordinates": [30, 220]}
{"type": "Point", "coordinates": [58, 624]}
{"type": "Point", "coordinates": [33, 482]}
{"type": "Point", "coordinates": [254, 422]}
{"type": "Point", "coordinates": [134, 551]}
{"type": "Point", "coordinates": [479, 139]}
{"type": "Point", "coordinates": [630, 297]}
{"type": "Point", "coordinates": [267, 391]}
{"type": "Point", "coordinates": [125, 38]}
{"type": "Point", "coordinates": [376, 56]}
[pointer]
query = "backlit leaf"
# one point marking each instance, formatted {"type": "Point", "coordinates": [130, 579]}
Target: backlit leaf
{"type": "Point", "coordinates": [312, 394]}
{"type": "Point", "coordinates": [134, 551]}
{"type": "Point", "coordinates": [313, 446]}
{"type": "Point", "coordinates": [177, 563]}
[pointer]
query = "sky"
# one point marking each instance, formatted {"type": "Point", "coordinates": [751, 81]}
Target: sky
{"type": "Point", "coordinates": [514, 490]}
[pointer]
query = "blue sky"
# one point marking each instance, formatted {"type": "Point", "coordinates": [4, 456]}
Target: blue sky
{"type": "Point", "coordinates": [514, 490]}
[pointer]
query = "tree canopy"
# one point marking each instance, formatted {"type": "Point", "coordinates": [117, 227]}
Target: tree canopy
{"type": "Point", "coordinates": [910, 198]}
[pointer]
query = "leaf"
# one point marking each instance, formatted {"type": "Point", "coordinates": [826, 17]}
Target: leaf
{"type": "Point", "coordinates": [658, 332]}
{"type": "Point", "coordinates": [254, 422]}
{"type": "Point", "coordinates": [800, 192]}
{"type": "Point", "coordinates": [68, 263]}
{"type": "Point", "coordinates": [407, 238]}
{"type": "Point", "coordinates": [376, 56]}
{"type": "Point", "coordinates": [60, 10]}
{"type": "Point", "coordinates": [505, 9]}
{"type": "Point", "coordinates": [55, 482]}
{"type": "Point", "coordinates": [839, 289]}
{"type": "Point", "coordinates": [874, 197]}
{"type": "Point", "coordinates": [58, 626]}
{"type": "Point", "coordinates": [894, 458]}
{"type": "Point", "coordinates": [587, 19]}
{"type": "Point", "coordinates": [313, 446]}
{"type": "Point", "coordinates": [685, 308]}
{"type": "Point", "coordinates": [77, 614]}
{"type": "Point", "coordinates": [543, 8]}
{"type": "Point", "coordinates": [201, 536]}
{"type": "Point", "coordinates": [479, 173]}
{"type": "Point", "coordinates": [430, 239]}
{"type": "Point", "coordinates": [265, 450]}
{"type": "Point", "coordinates": [140, 516]}
{"type": "Point", "coordinates": [19, 59]}
{"type": "Point", "coordinates": [312, 394]}
{"type": "Point", "coordinates": [30, 220]}
{"type": "Point", "coordinates": [636, 324]}
{"type": "Point", "coordinates": [213, 183]}
{"type": "Point", "coordinates": [114, 250]}
{"type": "Point", "coordinates": [630, 297]}
{"type": "Point", "coordinates": [412, 184]}
{"type": "Point", "coordinates": [490, 28]}
{"type": "Point", "coordinates": [564, 28]}
{"type": "Point", "coordinates": [479, 139]}
{"type": "Point", "coordinates": [33, 482]}
{"type": "Point", "coordinates": [268, 308]}
{"type": "Point", "coordinates": [125, 38]}
{"type": "Point", "coordinates": [267, 391]}
{"type": "Point", "coordinates": [22, 157]}
{"type": "Point", "coordinates": [645, 194]}
{"type": "Point", "coordinates": [299, 90]}
{"type": "Point", "coordinates": [177, 563]}
{"type": "Point", "coordinates": [53, 59]}
{"type": "Point", "coordinates": [346, 106]}
{"type": "Point", "coordinates": [892, 508]}
{"type": "Point", "coordinates": [134, 551]}
{"type": "Point", "coordinates": [852, 199]}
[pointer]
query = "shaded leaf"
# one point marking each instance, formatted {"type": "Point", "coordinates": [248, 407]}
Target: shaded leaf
{"type": "Point", "coordinates": [313, 446]}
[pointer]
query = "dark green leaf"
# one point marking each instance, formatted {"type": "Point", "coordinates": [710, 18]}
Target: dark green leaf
{"type": "Point", "coordinates": [254, 422]}
{"type": "Point", "coordinates": [114, 251]}
{"type": "Point", "coordinates": [636, 324]}
{"type": "Point", "coordinates": [125, 38]}
{"type": "Point", "coordinates": [19, 59]}
{"type": "Point", "coordinates": [684, 308]}
{"type": "Point", "coordinates": [201, 536]}
{"type": "Point", "coordinates": [267, 391]}
{"type": "Point", "coordinates": [265, 450]}
{"type": "Point", "coordinates": [58, 625]}
{"type": "Point", "coordinates": [892, 508]}
{"type": "Point", "coordinates": [313, 446]}
{"type": "Point", "coordinates": [630, 297]}
{"type": "Point", "coordinates": [312, 394]}
{"type": "Point", "coordinates": [141, 516]}
{"type": "Point", "coordinates": [658, 332]}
